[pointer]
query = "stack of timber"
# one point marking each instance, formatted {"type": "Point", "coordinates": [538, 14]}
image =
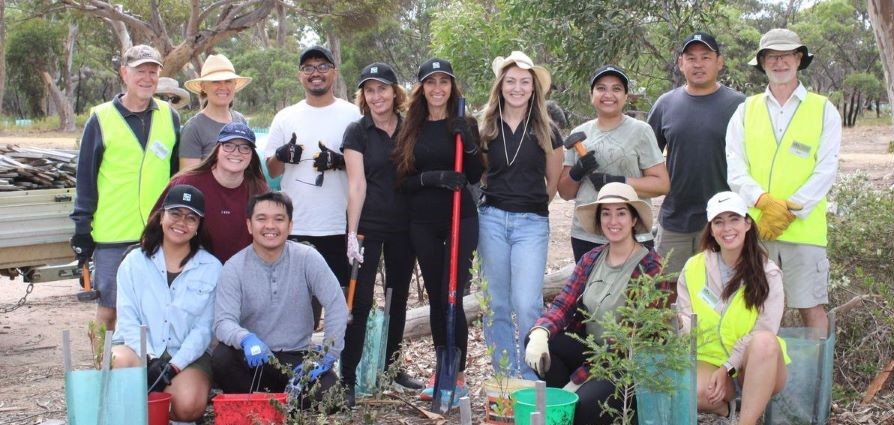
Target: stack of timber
{"type": "Point", "coordinates": [29, 168]}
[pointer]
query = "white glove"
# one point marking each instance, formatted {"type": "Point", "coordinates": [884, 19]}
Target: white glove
{"type": "Point", "coordinates": [354, 253]}
{"type": "Point", "coordinates": [571, 386]}
{"type": "Point", "coordinates": [537, 351]}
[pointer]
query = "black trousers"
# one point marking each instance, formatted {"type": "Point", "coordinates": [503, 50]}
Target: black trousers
{"type": "Point", "coordinates": [233, 375]}
{"type": "Point", "coordinates": [431, 242]}
{"type": "Point", "coordinates": [399, 261]}
{"type": "Point", "coordinates": [580, 247]}
{"type": "Point", "coordinates": [333, 249]}
{"type": "Point", "coordinates": [566, 355]}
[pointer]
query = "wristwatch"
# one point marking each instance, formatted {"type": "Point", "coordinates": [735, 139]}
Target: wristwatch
{"type": "Point", "coordinates": [730, 370]}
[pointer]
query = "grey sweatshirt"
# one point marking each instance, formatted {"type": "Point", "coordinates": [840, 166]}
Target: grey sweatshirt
{"type": "Point", "coordinates": [272, 300]}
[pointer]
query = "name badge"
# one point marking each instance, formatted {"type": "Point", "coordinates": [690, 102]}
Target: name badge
{"type": "Point", "coordinates": [708, 296]}
{"type": "Point", "coordinates": [800, 149]}
{"type": "Point", "coordinates": [159, 149]}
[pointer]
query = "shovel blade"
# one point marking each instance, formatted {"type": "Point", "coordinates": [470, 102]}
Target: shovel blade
{"type": "Point", "coordinates": [445, 379]}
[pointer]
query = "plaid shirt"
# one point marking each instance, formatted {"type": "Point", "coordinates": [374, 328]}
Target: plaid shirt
{"type": "Point", "coordinates": [563, 315]}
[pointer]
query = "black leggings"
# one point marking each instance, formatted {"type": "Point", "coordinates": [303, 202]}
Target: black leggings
{"type": "Point", "coordinates": [333, 249]}
{"type": "Point", "coordinates": [234, 376]}
{"type": "Point", "coordinates": [566, 355]}
{"type": "Point", "coordinates": [399, 262]}
{"type": "Point", "coordinates": [431, 241]}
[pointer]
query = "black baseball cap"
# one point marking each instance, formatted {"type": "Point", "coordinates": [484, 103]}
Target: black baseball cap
{"type": "Point", "coordinates": [432, 66]}
{"type": "Point", "coordinates": [186, 196]}
{"type": "Point", "coordinates": [316, 52]}
{"type": "Point", "coordinates": [704, 38]}
{"type": "Point", "coordinates": [377, 71]}
{"type": "Point", "coordinates": [610, 70]}
{"type": "Point", "coordinates": [236, 130]}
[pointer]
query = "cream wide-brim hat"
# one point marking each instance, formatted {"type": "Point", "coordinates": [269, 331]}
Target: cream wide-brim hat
{"type": "Point", "coordinates": [614, 193]}
{"type": "Point", "coordinates": [217, 68]}
{"type": "Point", "coordinates": [782, 40]}
{"type": "Point", "coordinates": [167, 85]}
{"type": "Point", "coordinates": [522, 61]}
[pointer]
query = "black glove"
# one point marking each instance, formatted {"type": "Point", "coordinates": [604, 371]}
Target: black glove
{"type": "Point", "coordinates": [601, 179]}
{"type": "Point", "coordinates": [584, 165]}
{"type": "Point", "coordinates": [290, 153]}
{"type": "Point", "coordinates": [461, 126]}
{"type": "Point", "coordinates": [82, 244]}
{"type": "Point", "coordinates": [446, 179]}
{"type": "Point", "coordinates": [159, 374]}
{"type": "Point", "coordinates": [328, 159]}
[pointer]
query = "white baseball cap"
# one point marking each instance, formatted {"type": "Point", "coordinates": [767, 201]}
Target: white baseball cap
{"type": "Point", "coordinates": [726, 202]}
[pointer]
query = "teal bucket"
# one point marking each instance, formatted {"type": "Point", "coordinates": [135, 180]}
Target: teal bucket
{"type": "Point", "coordinates": [560, 406]}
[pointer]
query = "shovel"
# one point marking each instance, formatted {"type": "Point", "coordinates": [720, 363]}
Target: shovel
{"type": "Point", "coordinates": [352, 284]}
{"type": "Point", "coordinates": [449, 356]}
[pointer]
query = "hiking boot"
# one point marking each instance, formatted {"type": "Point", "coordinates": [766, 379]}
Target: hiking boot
{"type": "Point", "coordinates": [405, 380]}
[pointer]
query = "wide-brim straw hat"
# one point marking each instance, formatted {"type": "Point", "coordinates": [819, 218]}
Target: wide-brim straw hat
{"type": "Point", "coordinates": [217, 68]}
{"type": "Point", "coordinates": [522, 61]}
{"type": "Point", "coordinates": [615, 193]}
{"type": "Point", "coordinates": [782, 40]}
{"type": "Point", "coordinates": [169, 86]}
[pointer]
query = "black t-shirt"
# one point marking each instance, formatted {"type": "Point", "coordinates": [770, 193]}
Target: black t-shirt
{"type": "Point", "coordinates": [434, 151]}
{"type": "Point", "coordinates": [520, 187]}
{"type": "Point", "coordinates": [385, 208]}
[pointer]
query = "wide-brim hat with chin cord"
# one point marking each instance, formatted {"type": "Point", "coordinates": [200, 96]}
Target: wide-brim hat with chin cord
{"type": "Point", "coordinates": [614, 193]}
{"type": "Point", "coordinates": [216, 68]}
{"type": "Point", "coordinates": [522, 61]}
{"type": "Point", "coordinates": [170, 87]}
{"type": "Point", "coordinates": [782, 40]}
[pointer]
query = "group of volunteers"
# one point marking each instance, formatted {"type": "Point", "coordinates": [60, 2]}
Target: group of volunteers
{"type": "Point", "coordinates": [187, 238]}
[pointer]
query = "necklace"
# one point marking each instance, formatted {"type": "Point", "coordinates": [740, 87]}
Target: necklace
{"type": "Point", "coordinates": [520, 142]}
{"type": "Point", "coordinates": [627, 258]}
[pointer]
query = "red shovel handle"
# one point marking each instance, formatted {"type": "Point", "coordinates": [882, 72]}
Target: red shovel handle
{"type": "Point", "coordinates": [454, 217]}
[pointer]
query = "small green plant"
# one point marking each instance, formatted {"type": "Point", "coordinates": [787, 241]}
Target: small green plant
{"type": "Point", "coordinates": [97, 336]}
{"type": "Point", "coordinates": [642, 331]}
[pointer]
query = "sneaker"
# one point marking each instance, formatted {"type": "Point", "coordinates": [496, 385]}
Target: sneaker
{"type": "Point", "coordinates": [429, 390]}
{"type": "Point", "coordinates": [731, 416]}
{"type": "Point", "coordinates": [405, 380]}
{"type": "Point", "coordinates": [426, 393]}
{"type": "Point", "coordinates": [350, 399]}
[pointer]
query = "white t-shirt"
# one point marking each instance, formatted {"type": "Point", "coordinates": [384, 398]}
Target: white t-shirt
{"type": "Point", "coordinates": [319, 210]}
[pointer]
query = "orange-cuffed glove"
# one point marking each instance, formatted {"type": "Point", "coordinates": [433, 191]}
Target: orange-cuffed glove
{"type": "Point", "coordinates": [775, 216]}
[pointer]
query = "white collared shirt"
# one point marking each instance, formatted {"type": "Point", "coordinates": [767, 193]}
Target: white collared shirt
{"type": "Point", "coordinates": [820, 182]}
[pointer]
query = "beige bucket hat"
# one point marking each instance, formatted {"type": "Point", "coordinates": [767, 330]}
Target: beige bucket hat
{"type": "Point", "coordinates": [614, 193]}
{"type": "Point", "coordinates": [170, 87]}
{"type": "Point", "coordinates": [782, 39]}
{"type": "Point", "coordinates": [522, 61]}
{"type": "Point", "coordinates": [216, 68]}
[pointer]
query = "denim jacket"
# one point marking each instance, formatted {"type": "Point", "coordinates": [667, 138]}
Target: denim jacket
{"type": "Point", "coordinates": [178, 317]}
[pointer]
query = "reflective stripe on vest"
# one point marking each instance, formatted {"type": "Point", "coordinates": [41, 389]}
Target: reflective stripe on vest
{"type": "Point", "coordinates": [718, 333]}
{"type": "Point", "coordinates": [130, 178]}
{"type": "Point", "coordinates": [781, 169]}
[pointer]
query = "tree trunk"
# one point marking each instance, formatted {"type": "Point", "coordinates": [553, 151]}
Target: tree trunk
{"type": "Point", "coordinates": [881, 14]}
{"type": "Point", "coordinates": [57, 96]}
{"type": "Point", "coordinates": [340, 89]}
{"type": "Point", "coordinates": [68, 124]}
{"type": "Point", "coordinates": [261, 34]}
{"type": "Point", "coordinates": [282, 26]}
{"type": "Point", "coordinates": [418, 325]}
{"type": "Point", "coordinates": [2, 49]}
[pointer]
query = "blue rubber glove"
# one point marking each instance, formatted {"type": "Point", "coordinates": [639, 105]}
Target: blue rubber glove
{"type": "Point", "coordinates": [256, 352]}
{"type": "Point", "coordinates": [317, 368]}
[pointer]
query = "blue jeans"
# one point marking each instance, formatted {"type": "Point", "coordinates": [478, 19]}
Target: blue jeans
{"type": "Point", "coordinates": [513, 248]}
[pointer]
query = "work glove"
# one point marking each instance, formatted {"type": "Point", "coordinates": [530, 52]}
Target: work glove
{"type": "Point", "coordinates": [584, 166]}
{"type": "Point", "coordinates": [328, 159]}
{"type": "Point", "coordinates": [601, 179]}
{"type": "Point", "coordinates": [82, 244]}
{"type": "Point", "coordinates": [461, 126]}
{"type": "Point", "coordinates": [775, 216]}
{"type": "Point", "coordinates": [537, 351]}
{"type": "Point", "coordinates": [290, 153]}
{"type": "Point", "coordinates": [354, 253]}
{"type": "Point", "coordinates": [256, 352]}
{"type": "Point", "coordinates": [445, 179]}
{"type": "Point", "coordinates": [159, 374]}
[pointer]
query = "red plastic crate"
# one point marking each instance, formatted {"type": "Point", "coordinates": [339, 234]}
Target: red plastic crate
{"type": "Point", "coordinates": [249, 409]}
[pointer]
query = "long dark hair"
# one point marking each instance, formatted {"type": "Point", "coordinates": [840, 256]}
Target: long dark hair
{"type": "Point", "coordinates": [749, 268]}
{"type": "Point", "coordinates": [153, 235]}
{"type": "Point", "coordinates": [417, 113]}
{"type": "Point", "coordinates": [253, 174]}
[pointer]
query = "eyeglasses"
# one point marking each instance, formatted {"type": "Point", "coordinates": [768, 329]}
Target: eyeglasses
{"type": "Point", "coordinates": [168, 98]}
{"type": "Point", "coordinates": [322, 68]}
{"type": "Point", "coordinates": [232, 147]}
{"type": "Point", "coordinates": [189, 218]}
{"type": "Point", "coordinates": [776, 57]}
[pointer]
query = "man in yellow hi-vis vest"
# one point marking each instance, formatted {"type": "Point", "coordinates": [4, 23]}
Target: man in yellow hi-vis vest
{"type": "Point", "coordinates": [128, 153]}
{"type": "Point", "coordinates": [782, 156]}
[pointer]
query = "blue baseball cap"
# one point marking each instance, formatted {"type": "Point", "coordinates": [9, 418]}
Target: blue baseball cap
{"type": "Point", "coordinates": [236, 130]}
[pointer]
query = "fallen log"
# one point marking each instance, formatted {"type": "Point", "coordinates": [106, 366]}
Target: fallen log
{"type": "Point", "coordinates": [876, 385]}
